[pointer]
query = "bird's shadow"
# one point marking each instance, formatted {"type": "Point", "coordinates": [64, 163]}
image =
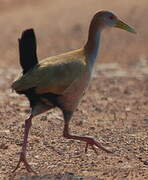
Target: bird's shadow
{"type": "Point", "coordinates": [65, 176]}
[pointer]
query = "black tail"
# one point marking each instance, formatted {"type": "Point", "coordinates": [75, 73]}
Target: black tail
{"type": "Point", "coordinates": [27, 50]}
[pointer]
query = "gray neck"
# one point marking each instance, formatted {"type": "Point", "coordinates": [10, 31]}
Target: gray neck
{"type": "Point", "coordinates": [95, 48]}
{"type": "Point", "coordinates": [92, 46]}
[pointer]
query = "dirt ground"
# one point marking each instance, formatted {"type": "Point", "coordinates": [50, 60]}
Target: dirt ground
{"type": "Point", "coordinates": [114, 109]}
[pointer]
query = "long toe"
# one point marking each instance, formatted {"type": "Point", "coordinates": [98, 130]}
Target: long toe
{"type": "Point", "coordinates": [93, 143]}
{"type": "Point", "coordinates": [18, 165]}
{"type": "Point", "coordinates": [26, 164]}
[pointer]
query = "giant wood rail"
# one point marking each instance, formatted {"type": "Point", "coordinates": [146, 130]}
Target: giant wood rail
{"type": "Point", "coordinates": [60, 81]}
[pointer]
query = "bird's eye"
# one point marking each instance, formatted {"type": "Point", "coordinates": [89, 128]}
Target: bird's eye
{"type": "Point", "coordinates": [111, 17]}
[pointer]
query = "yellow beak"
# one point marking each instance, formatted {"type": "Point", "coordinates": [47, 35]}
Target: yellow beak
{"type": "Point", "coordinates": [124, 26]}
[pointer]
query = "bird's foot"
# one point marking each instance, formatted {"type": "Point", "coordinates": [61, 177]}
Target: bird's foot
{"type": "Point", "coordinates": [89, 141]}
{"type": "Point", "coordinates": [93, 143]}
{"type": "Point", "coordinates": [24, 161]}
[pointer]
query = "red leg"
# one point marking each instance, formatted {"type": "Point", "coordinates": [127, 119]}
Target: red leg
{"type": "Point", "coordinates": [24, 147]}
{"type": "Point", "coordinates": [89, 140]}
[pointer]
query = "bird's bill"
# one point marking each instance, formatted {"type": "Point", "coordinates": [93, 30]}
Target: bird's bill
{"type": "Point", "coordinates": [120, 24]}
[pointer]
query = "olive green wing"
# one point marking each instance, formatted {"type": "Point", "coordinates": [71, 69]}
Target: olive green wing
{"type": "Point", "coordinates": [51, 76]}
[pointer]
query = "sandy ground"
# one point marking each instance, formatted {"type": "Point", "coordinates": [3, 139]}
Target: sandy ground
{"type": "Point", "coordinates": [114, 110]}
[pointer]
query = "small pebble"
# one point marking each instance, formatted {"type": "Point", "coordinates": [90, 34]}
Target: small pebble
{"type": "Point", "coordinates": [145, 162]}
{"type": "Point", "coordinates": [43, 118]}
{"type": "Point", "coordinates": [120, 161]}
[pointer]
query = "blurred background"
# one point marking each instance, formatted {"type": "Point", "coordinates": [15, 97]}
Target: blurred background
{"type": "Point", "coordinates": [114, 110]}
{"type": "Point", "coordinates": [62, 25]}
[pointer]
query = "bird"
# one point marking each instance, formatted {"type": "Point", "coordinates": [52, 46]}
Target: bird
{"type": "Point", "coordinates": [61, 80]}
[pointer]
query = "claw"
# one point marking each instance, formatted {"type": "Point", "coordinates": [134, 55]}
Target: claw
{"type": "Point", "coordinates": [86, 147]}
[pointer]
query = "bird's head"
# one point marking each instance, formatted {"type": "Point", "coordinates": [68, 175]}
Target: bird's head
{"type": "Point", "coordinates": [107, 19]}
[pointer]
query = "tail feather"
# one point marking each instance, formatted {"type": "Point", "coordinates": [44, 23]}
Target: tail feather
{"type": "Point", "coordinates": [27, 50]}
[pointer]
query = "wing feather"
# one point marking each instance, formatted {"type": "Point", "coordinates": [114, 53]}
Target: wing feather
{"type": "Point", "coordinates": [52, 75]}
